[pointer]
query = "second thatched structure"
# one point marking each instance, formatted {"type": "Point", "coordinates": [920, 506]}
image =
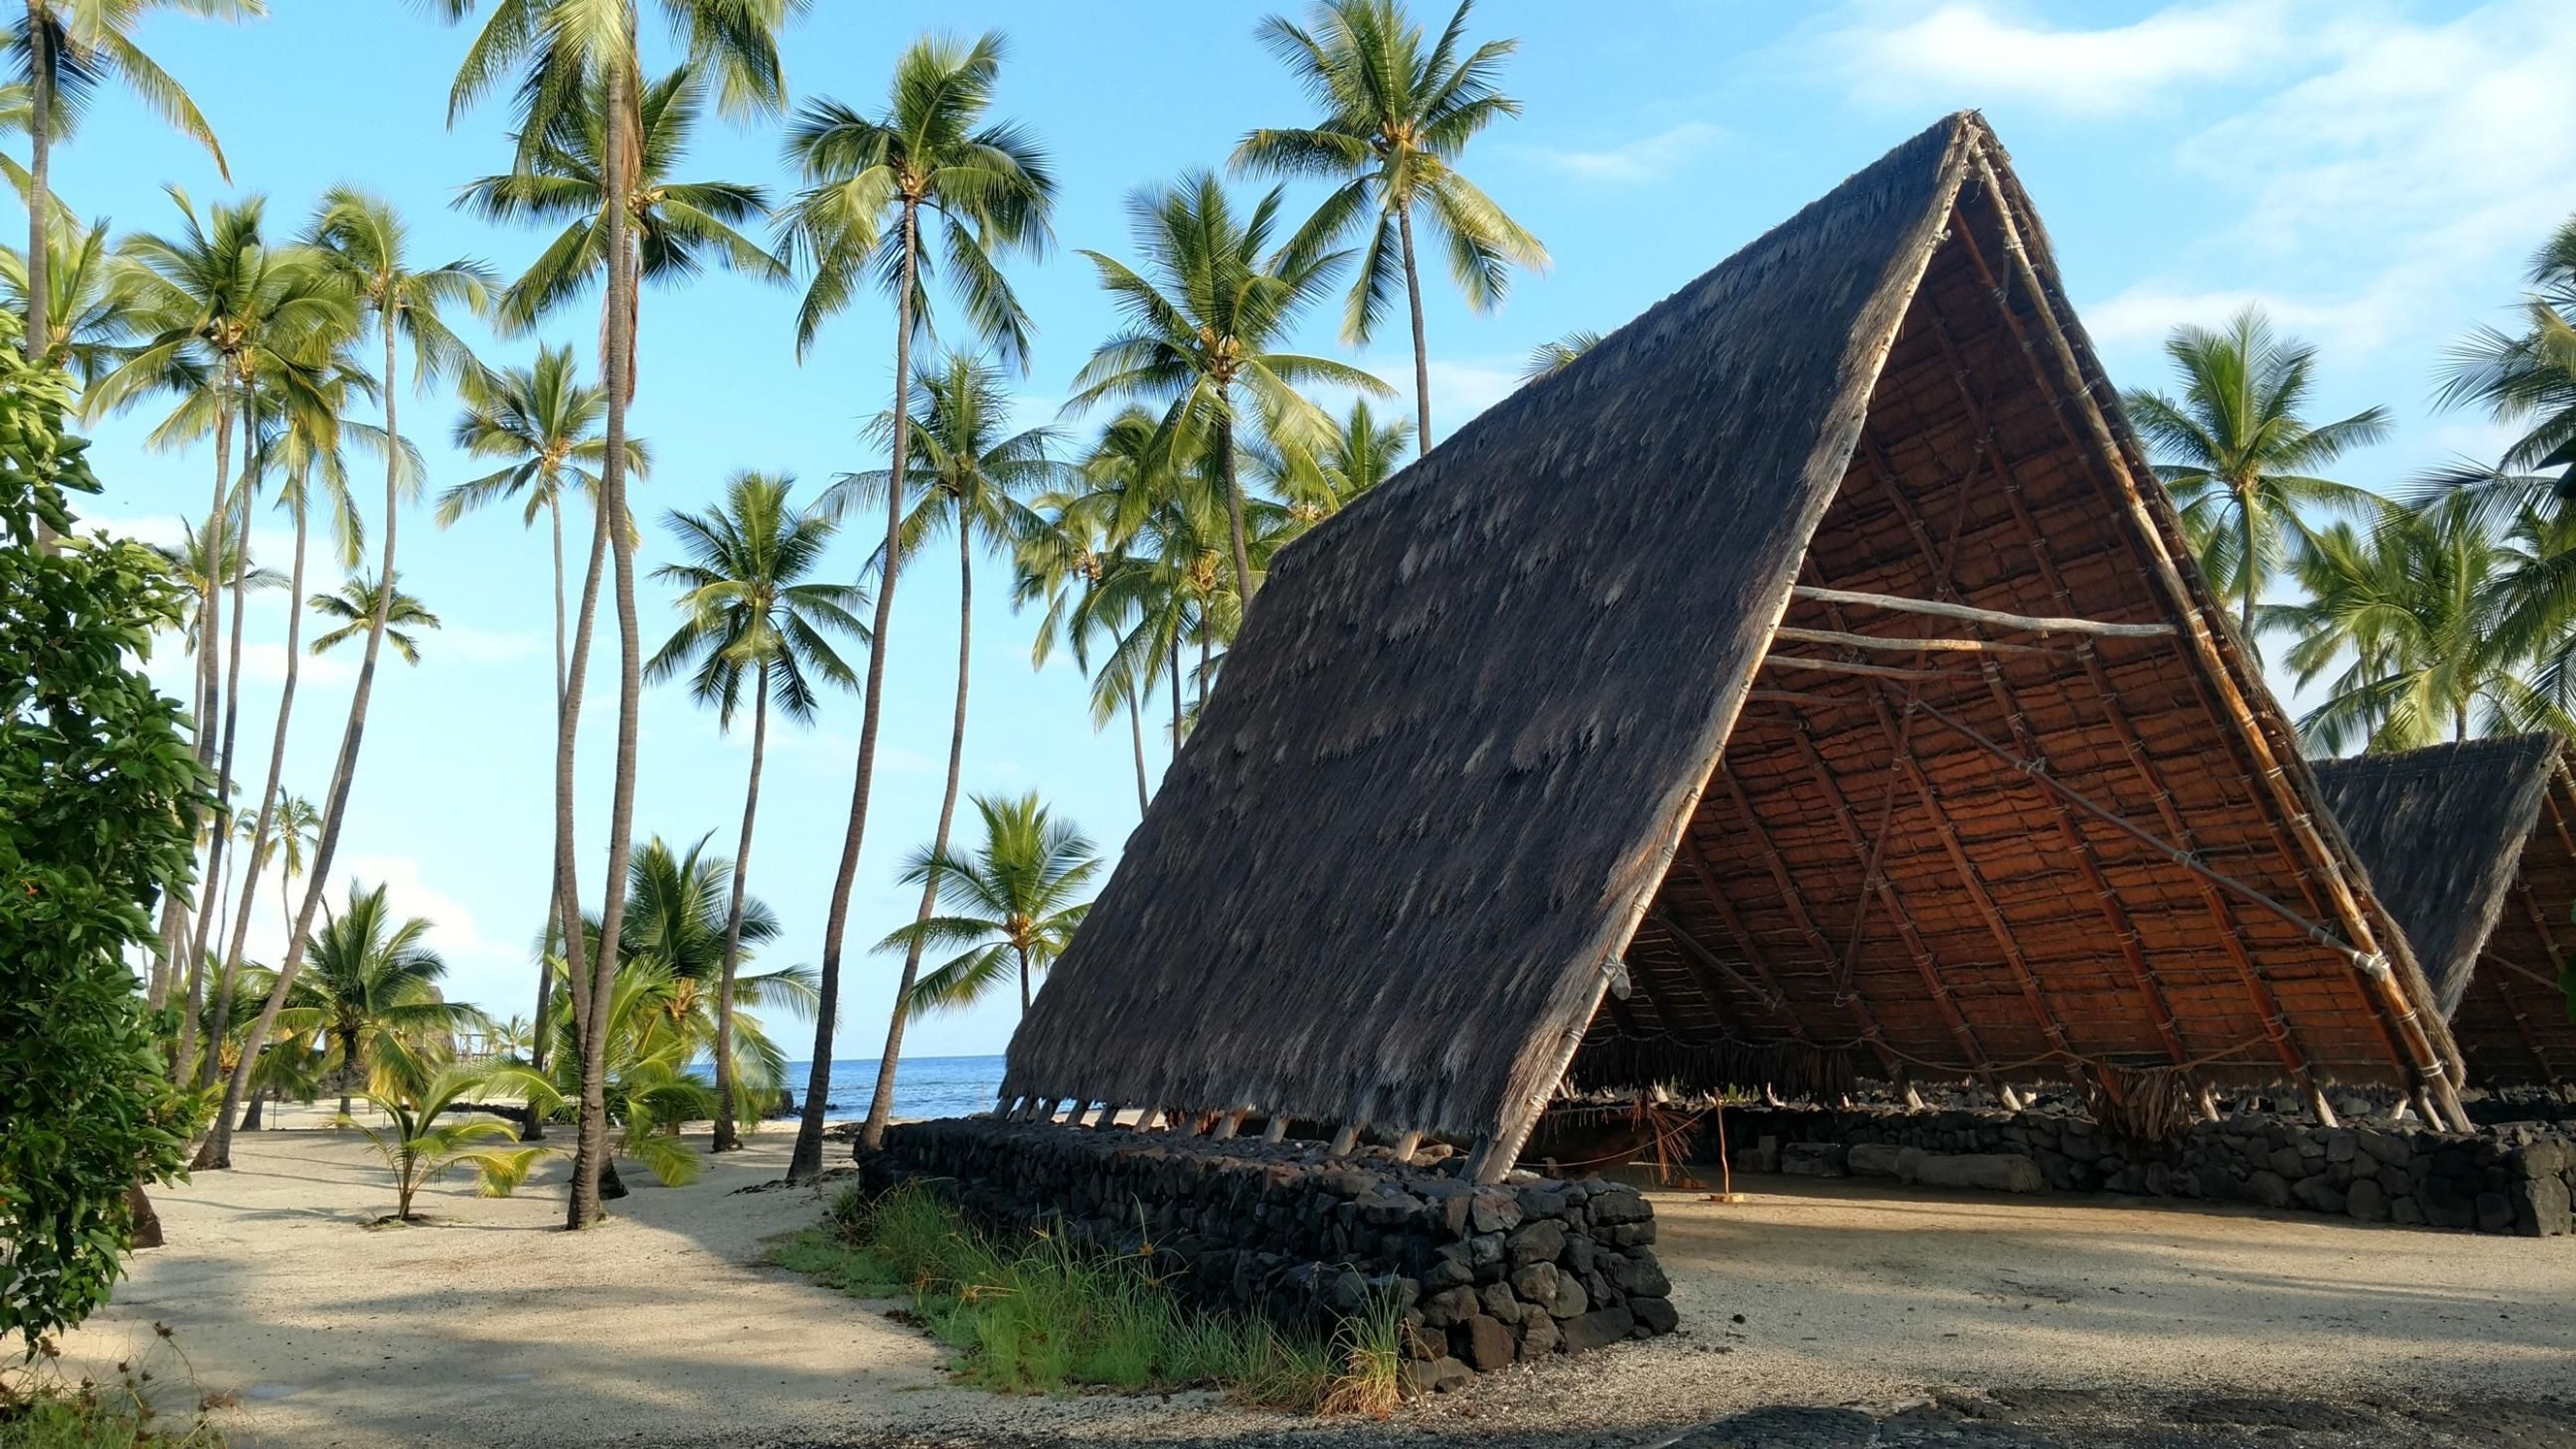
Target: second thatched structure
{"type": "Point", "coordinates": [2473, 847]}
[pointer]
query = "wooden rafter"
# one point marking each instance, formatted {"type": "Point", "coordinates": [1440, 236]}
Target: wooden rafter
{"type": "Point", "coordinates": [2022, 623]}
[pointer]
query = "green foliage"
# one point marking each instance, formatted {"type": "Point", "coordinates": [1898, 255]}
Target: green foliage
{"type": "Point", "coordinates": [1014, 903]}
{"type": "Point", "coordinates": [1031, 1313]}
{"type": "Point", "coordinates": [414, 1092]}
{"type": "Point", "coordinates": [141, 1410]}
{"type": "Point", "coordinates": [99, 799]}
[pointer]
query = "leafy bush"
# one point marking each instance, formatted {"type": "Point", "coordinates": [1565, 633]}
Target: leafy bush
{"type": "Point", "coordinates": [99, 797]}
{"type": "Point", "coordinates": [1031, 1313]}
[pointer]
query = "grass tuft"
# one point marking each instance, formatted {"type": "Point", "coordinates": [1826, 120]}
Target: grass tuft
{"type": "Point", "coordinates": [1031, 1313]}
{"type": "Point", "coordinates": [39, 1409]}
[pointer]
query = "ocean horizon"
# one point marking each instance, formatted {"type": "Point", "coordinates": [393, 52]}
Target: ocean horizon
{"type": "Point", "coordinates": [923, 1086]}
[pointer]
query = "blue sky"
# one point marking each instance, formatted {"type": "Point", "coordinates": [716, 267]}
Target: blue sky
{"type": "Point", "coordinates": [2373, 171]}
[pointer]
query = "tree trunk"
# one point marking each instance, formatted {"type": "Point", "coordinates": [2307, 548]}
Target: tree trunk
{"type": "Point", "coordinates": [147, 1223]}
{"type": "Point", "coordinates": [2253, 569]}
{"type": "Point", "coordinates": [1421, 348]}
{"type": "Point", "coordinates": [1176, 692]}
{"type": "Point", "coordinates": [881, 1105]}
{"type": "Point", "coordinates": [726, 1139]}
{"type": "Point", "coordinates": [567, 730]}
{"type": "Point", "coordinates": [349, 1067]}
{"type": "Point", "coordinates": [808, 1157]}
{"type": "Point", "coordinates": [226, 963]}
{"type": "Point", "coordinates": [554, 901]}
{"type": "Point", "coordinates": [210, 608]}
{"type": "Point", "coordinates": [344, 770]}
{"type": "Point", "coordinates": [40, 175]}
{"type": "Point", "coordinates": [250, 1121]}
{"type": "Point", "coordinates": [1023, 953]}
{"type": "Point", "coordinates": [1136, 731]}
{"type": "Point", "coordinates": [592, 1147]}
{"type": "Point", "coordinates": [1234, 509]}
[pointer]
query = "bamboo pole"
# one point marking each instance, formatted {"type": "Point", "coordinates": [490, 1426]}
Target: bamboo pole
{"type": "Point", "coordinates": [2381, 986]}
{"type": "Point", "coordinates": [2022, 623]}
{"type": "Point", "coordinates": [1908, 646]}
{"type": "Point", "coordinates": [1797, 909]}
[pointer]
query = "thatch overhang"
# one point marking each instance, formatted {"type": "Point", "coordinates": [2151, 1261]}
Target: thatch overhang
{"type": "Point", "coordinates": [2473, 847]}
{"type": "Point", "coordinates": [1463, 773]}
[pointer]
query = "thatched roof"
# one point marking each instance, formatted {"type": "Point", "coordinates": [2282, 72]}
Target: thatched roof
{"type": "Point", "coordinates": [2470, 847]}
{"type": "Point", "coordinates": [1468, 742]}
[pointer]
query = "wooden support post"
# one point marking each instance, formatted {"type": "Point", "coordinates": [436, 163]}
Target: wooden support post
{"type": "Point", "coordinates": [1227, 1125]}
{"type": "Point", "coordinates": [2005, 1094]}
{"type": "Point", "coordinates": [2208, 1102]}
{"type": "Point", "coordinates": [2422, 1101]}
{"type": "Point", "coordinates": [1152, 1119]}
{"type": "Point", "coordinates": [1185, 1124]}
{"type": "Point", "coordinates": [2319, 1107]}
{"type": "Point", "coordinates": [2411, 1039]}
{"type": "Point", "coordinates": [1405, 1145]}
{"type": "Point", "coordinates": [2549, 941]}
{"type": "Point", "coordinates": [1347, 1138]}
{"type": "Point", "coordinates": [1108, 1116]}
{"type": "Point", "coordinates": [1481, 1166]}
{"type": "Point", "coordinates": [1277, 1131]}
{"type": "Point", "coordinates": [1081, 1109]}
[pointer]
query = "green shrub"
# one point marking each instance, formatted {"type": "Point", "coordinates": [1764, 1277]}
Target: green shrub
{"type": "Point", "coordinates": [1032, 1313]}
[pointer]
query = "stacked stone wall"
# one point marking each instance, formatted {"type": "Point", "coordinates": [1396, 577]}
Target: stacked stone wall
{"type": "Point", "coordinates": [1484, 1276]}
{"type": "Point", "coordinates": [2507, 1178]}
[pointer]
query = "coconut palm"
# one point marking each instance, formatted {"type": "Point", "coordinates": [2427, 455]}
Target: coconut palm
{"type": "Point", "coordinates": [1060, 565]}
{"type": "Point", "coordinates": [187, 559]}
{"type": "Point", "coordinates": [871, 186]}
{"type": "Point", "coordinates": [754, 610]}
{"type": "Point", "coordinates": [419, 1147]}
{"type": "Point", "coordinates": [1395, 119]}
{"type": "Point", "coordinates": [365, 246]}
{"type": "Point", "coordinates": [969, 478]}
{"type": "Point", "coordinates": [1203, 321]}
{"type": "Point", "coordinates": [356, 608]}
{"type": "Point", "coordinates": [677, 916]}
{"type": "Point", "coordinates": [677, 225]}
{"type": "Point", "coordinates": [64, 49]}
{"type": "Point", "coordinates": [90, 314]}
{"type": "Point", "coordinates": [1011, 906]}
{"type": "Point", "coordinates": [542, 424]}
{"type": "Point", "coordinates": [1552, 357]}
{"type": "Point", "coordinates": [564, 55]}
{"type": "Point", "coordinates": [1361, 454]}
{"type": "Point", "coordinates": [2239, 456]}
{"type": "Point", "coordinates": [372, 994]}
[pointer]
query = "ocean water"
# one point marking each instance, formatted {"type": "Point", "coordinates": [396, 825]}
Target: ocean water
{"type": "Point", "coordinates": [923, 1086]}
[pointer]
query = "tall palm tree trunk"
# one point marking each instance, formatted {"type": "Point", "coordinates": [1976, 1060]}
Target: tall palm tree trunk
{"type": "Point", "coordinates": [210, 608]}
{"type": "Point", "coordinates": [2253, 569]}
{"type": "Point", "coordinates": [268, 792]}
{"type": "Point", "coordinates": [1421, 348]}
{"type": "Point", "coordinates": [881, 1105]}
{"type": "Point", "coordinates": [591, 1141]}
{"type": "Point", "coordinates": [567, 891]}
{"type": "Point", "coordinates": [726, 1140]}
{"type": "Point", "coordinates": [40, 174]}
{"type": "Point", "coordinates": [1233, 503]}
{"type": "Point", "coordinates": [344, 771]}
{"type": "Point", "coordinates": [218, 854]}
{"type": "Point", "coordinates": [554, 897]}
{"type": "Point", "coordinates": [807, 1159]}
{"type": "Point", "coordinates": [1136, 732]}
{"type": "Point", "coordinates": [1023, 953]}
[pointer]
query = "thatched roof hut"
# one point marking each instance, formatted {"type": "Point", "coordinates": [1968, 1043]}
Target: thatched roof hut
{"type": "Point", "coordinates": [1857, 513]}
{"type": "Point", "coordinates": [2472, 848]}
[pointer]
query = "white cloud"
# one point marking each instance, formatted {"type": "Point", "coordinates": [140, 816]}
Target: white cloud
{"type": "Point", "coordinates": [1633, 163]}
{"type": "Point", "coordinates": [1970, 52]}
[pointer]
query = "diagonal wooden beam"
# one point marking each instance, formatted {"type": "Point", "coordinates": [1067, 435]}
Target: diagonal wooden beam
{"type": "Point", "coordinates": [1996, 618]}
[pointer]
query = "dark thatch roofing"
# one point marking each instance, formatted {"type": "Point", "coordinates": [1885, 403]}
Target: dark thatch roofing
{"type": "Point", "coordinates": [2469, 846]}
{"type": "Point", "coordinates": [1465, 757]}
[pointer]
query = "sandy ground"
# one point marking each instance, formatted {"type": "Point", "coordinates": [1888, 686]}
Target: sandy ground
{"type": "Point", "coordinates": [2020, 1317]}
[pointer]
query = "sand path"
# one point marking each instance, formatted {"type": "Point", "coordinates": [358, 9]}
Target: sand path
{"type": "Point", "coordinates": [491, 1327]}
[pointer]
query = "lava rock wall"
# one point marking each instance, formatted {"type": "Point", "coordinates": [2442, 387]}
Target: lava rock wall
{"type": "Point", "coordinates": [1485, 1276]}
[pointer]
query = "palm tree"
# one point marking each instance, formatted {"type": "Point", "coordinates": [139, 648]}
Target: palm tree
{"type": "Point", "coordinates": [559, 48]}
{"type": "Point", "coordinates": [542, 424]}
{"type": "Point", "coordinates": [2526, 380]}
{"type": "Point", "coordinates": [232, 326]}
{"type": "Point", "coordinates": [188, 560]}
{"type": "Point", "coordinates": [970, 479]}
{"type": "Point", "coordinates": [1061, 565]}
{"type": "Point", "coordinates": [355, 608]}
{"type": "Point", "coordinates": [365, 245]}
{"type": "Point", "coordinates": [1394, 122]}
{"type": "Point", "coordinates": [1014, 903]}
{"type": "Point", "coordinates": [91, 313]}
{"type": "Point", "coordinates": [753, 609]}
{"type": "Point", "coordinates": [299, 826]}
{"type": "Point", "coordinates": [373, 989]}
{"type": "Point", "coordinates": [871, 184]}
{"type": "Point", "coordinates": [64, 48]}
{"type": "Point", "coordinates": [1550, 358]}
{"type": "Point", "coordinates": [419, 1148]}
{"type": "Point", "coordinates": [1361, 454]}
{"type": "Point", "coordinates": [2408, 610]}
{"type": "Point", "coordinates": [1202, 321]}
{"type": "Point", "coordinates": [2235, 444]}
{"type": "Point", "coordinates": [677, 224]}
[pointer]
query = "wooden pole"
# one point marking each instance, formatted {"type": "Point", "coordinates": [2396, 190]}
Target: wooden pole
{"type": "Point", "coordinates": [1345, 1139]}
{"type": "Point", "coordinates": [1405, 1145]}
{"type": "Point", "coordinates": [1996, 618]}
{"type": "Point", "coordinates": [1795, 904]}
{"type": "Point", "coordinates": [1909, 646]}
{"type": "Point", "coordinates": [1277, 1131]}
{"type": "Point", "coordinates": [1227, 1125]}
